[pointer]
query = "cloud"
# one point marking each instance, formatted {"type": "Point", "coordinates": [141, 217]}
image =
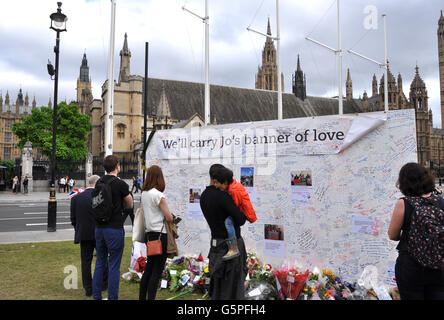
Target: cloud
{"type": "Point", "coordinates": [176, 40]}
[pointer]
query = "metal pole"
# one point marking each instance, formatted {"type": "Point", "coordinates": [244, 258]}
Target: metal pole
{"type": "Point", "coordinates": [110, 100]}
{"type": "Point", "coordinates": [279, 79]}
{"type": "Point", "coordinates": [439, 164]}
{"type": "Point", "coordinates": [207, 66]}
{"type": "Point", "coordinates": [386, 106]}
{"type": "Point", "coordinates": [52, 203]}
{"type": "Point", "coordinates": [145, 108]}
{"type": "Point", "coordinates": [341, 111]}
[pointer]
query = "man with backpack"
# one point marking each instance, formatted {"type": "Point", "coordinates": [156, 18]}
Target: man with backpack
{"type": "Point", "coordinates": [108, 199]}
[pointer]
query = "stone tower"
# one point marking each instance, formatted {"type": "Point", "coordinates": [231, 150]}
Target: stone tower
{"type": "Point", "coordinates": [266, 77]}
{"type": "Point", "coordinates": [419, 101]}
{"type": "Point", "coordinates": [441, 63]}
{"type": "Point", "coordinates": [374, 86]}
{"type": "Point", "coordinates": [125, 57]}
{"type": "Point", "coordinates": [84, 94]}
{"type": "Point", "coordinates": [299, 84]}
{"type": "Point", "coordinates": [392, 91]}
{"type": "Point", "coordinates": [348, 87]}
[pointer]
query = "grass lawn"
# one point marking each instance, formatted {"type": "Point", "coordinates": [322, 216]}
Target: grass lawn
{"type": "Point", "coordinates": [35, 271]}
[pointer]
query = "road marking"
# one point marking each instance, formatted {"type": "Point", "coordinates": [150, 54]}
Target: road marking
{"type": "Point", "coordinates": [45, 212]}
{"type": "Point", "coordinates": [44, 224]}
{"type": "Point", "coordinates": [35, 218]}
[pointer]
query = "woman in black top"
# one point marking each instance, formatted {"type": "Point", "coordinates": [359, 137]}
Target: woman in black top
{"type": "Point", "coordinates": [414, 281]}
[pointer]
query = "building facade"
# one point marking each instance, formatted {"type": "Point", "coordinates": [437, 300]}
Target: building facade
{"type": "Point", "coordinates": [9, 114]}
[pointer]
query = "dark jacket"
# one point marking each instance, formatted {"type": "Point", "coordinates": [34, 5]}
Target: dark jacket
{"type": "Point", "coordinates": [227, 278]}
{"type": "Point", "coordinates": [216, 206]}
{"type": "Point", "coordinates": [81, 218]}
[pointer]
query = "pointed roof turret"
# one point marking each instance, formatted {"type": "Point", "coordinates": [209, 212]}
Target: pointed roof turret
{"type": "Point", "coordinates": [125, 56]}
{"type": "Point", "coordinates": [34, 103]}
{"type": "Point", "coordinates": [163, 110]}
{"type": "Point", "coordinates": [268, 27]}
{"type": "Point", "coordinates": [7, 98]}
{"type": "Point", "coordinates": [299, 65]}
{"type": "Point", "coordinates": [417, 80]}
{"type": "Point", "coordinates": [19, 101]}
{"type": "Point", "coordinates": [125, 50]}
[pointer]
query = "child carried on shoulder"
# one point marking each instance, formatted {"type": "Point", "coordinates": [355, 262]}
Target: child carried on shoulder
{"type": "Point", "coordinates": [223, 180]}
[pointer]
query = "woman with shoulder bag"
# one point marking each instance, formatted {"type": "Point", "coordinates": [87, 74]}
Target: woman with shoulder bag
{"type": "Point", "coordinates": [418, 223]}
{"type": "Point", "coordinates": [156, 213]}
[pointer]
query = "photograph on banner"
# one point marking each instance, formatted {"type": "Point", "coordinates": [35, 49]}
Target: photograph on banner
{"type": "Point", "coordinates": [247, 180]}
{"type": "Point", "coordinates": [274, 244]}
{"type": "Point", "coordinates": [194, 210]}
{"type": "Point", "coordinates": [301, 185]}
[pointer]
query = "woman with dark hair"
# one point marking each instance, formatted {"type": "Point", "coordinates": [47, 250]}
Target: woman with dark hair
{"type": "Point", "coordinates": [156, 212]}
{"type": "Point", "coordinates": [417, 219]}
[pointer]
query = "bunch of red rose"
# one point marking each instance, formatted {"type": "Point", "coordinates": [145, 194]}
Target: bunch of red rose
{"type": "Point", "coordinates": [140, 264]}
{"type": "Point", "coordinates": [291, 281]}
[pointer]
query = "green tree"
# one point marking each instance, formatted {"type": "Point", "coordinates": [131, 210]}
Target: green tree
{"type": "Point", "coordinates": [71, 133]}
{"type": "Point", "coordinates": [10, 165]}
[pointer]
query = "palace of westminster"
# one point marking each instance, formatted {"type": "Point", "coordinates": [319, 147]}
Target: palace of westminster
{"type": "Point", "coordinates": [179, 104]}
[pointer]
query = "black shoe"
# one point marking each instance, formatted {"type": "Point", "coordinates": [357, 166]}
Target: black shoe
{"type": "Point", "coordinates": [88, 293]}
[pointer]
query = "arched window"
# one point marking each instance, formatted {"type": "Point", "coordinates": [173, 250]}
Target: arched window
{"type": "Point", "coordinates": [121, 130]}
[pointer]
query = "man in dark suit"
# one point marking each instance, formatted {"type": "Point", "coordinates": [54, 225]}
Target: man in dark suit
{"type": "Point", "coordinates": [84, 226]}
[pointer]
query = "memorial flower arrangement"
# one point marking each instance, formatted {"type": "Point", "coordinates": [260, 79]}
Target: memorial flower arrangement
{"type": "Point", "coordinates": [190, 274]}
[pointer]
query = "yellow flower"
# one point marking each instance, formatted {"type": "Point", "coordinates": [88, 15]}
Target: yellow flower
{"type": "Point", "coordinates": [206, 270]}
{"type": "Point", "coordinates": [305, 290]}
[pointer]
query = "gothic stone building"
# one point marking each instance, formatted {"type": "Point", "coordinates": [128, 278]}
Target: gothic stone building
{"type": "Point", "coordinates": [181, 104]}
{"type": "Point", "coordinates": [10, 113]}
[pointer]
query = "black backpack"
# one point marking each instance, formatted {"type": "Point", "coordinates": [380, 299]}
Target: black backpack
{"type": "Point", "coordinates": [102, 201]}
{"type": "Point", "coordinates": [426, 234]}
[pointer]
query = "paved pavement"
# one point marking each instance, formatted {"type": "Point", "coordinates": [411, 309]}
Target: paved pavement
{"type": "Point", "coordinates": [62, 234]}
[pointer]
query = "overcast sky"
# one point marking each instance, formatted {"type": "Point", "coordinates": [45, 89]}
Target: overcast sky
{"type": "Point", "coordinates": [176, 42]}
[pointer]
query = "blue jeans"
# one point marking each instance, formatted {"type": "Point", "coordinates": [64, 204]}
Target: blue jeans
{"type": "Point", "coordinates": [230, 228]}
{"type": "Point", "coordinates": [108, 241]}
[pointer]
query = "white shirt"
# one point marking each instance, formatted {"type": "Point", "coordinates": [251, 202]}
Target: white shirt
{"type": "Point", "coordinates": [153, 215]}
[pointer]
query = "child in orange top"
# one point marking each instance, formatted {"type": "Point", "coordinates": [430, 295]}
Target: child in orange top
{"type": "Point", "coordinates": [225, 182]}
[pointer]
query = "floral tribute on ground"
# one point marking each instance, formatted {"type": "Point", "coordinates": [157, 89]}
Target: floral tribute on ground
{"type": "Point", "coordinates": [190, 275]}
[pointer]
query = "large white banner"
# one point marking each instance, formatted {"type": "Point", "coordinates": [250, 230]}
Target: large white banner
{"type": "Point", "coordinates": [302, 136]}
{"type": "Point", "coordinates": [330, 209]}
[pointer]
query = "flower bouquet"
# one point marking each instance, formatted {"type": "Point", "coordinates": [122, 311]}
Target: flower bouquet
{"type": "Point", "coordinates": [291, 281]}
{"type": "Point", "coordinates": [262, 285]}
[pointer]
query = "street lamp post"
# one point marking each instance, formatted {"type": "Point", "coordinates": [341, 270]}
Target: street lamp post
{"type": "Point", "coordinates": [58, 24]}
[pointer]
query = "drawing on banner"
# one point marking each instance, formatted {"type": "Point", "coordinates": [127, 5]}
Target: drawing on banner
{"type": "Point", "coordinates": [274, 244]}
{"type": "Point", "coordinates": [194, 210]}
{"type": "Point", "coordinates": [365, 224]}
{"type": "Point", "coordinates": [301, 186]}
{"type": "Point", "coordinates": [247, 180]}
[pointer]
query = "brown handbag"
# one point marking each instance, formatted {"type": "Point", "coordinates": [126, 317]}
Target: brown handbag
{"type": "Point", "coordinates": [154, 247]}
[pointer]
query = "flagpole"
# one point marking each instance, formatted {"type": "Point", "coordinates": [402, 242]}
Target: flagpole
{"type": "Point", "coordinates": [278, 62]}
{"type": "Point", "coordinates": [205, 20]}
{"type": "Point", "coordinates": [110, 96]}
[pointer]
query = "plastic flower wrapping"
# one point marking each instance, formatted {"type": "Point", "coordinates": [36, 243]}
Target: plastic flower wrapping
{"type": "Point", "coordinates": [190, 275]}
